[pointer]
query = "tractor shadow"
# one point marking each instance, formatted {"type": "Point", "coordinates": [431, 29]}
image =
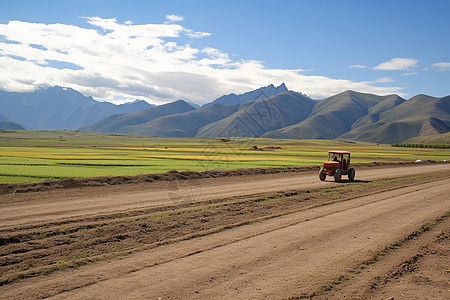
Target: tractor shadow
{"type": "Point", "coordinates": [353, 181]}
{"type": "Point", "coordinates": [348, 181]}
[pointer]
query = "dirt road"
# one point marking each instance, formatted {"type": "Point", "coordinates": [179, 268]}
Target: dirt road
{"type": "Point", "coordinates": [42, 207]}
{"type": "Point", "coordinates": [291, 254]}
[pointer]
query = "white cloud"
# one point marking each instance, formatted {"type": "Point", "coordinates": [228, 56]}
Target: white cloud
{"type": "Point", "coordinates": [442, 66]}
{"type": "Point", "coordinates": [398, 64]}
{"type": "Point", "coordinates": [197, 34]}
{"type": "Point", "coordinates": [410, 73]}
{"type": "Point", "coordinates": [358, 67]}
{"type": "Point", "coordinates": [384, 80]}
{"type": "Point", "coordinates": [125, 61]}
{"type": "Point", "coordinates": [173, 18]}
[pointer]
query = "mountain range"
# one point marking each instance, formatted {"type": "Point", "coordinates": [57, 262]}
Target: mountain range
{"type": "Point", "coordinates": [59, 108]}
{"type": "Point", "coordinates": [338, 115]}
{"type": "Point", "coordinates": [269, 112]}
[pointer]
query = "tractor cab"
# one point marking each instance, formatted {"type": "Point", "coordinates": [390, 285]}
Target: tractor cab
{"type": "Point", "coordinates": [342, 157]}
{"type": "Point", "coordinates": [338, 164]}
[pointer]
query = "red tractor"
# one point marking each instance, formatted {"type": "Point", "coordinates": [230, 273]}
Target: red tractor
{"type": "Point", "coordinates": [338, 164]}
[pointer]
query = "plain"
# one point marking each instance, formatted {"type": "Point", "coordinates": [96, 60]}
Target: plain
{"type": "Point", "coordinates": [33, 156]}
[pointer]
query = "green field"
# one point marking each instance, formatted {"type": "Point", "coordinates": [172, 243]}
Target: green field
{"type": "Point", "coordinates": [32, 156]}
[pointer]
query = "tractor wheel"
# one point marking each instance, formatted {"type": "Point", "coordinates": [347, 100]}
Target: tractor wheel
{"type": "Point", "coordinates": [351, 174]}
{"type": "Point", "coordinates": [337, 175]}
{"type": "Point", "coordinates": [322, 175]}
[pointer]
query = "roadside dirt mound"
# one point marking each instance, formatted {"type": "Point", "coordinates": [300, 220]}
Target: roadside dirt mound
{"type": "Point", "coordinates": [167, 176]}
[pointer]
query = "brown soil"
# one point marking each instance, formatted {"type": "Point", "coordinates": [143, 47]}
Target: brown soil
{"type": "Point", "coordinates": [47, 206]}
{"type": "Point", "coordinates": [419, 269]}
{"type": "Point", "coordinates": [171, 176]}
{"type": "Point", "coordinates": [248, 236]}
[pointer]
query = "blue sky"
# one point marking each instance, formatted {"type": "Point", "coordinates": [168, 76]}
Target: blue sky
{"type": "Point", "coordinates": [199, 50]}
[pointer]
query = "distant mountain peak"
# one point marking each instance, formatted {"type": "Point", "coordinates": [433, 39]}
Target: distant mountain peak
{"type": "Point", "coordinates": [267, 91]}
{"type": "Point", "coordinates": [181, 102]}
{"type": "Point", "coordinates": [282, 86]}
{"type": "Point", "coordinates": [56, 88]}
{"type": "Point", "coordinates": [138, 101]}
{"type": "Point", "coordinates": [260, 93]}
